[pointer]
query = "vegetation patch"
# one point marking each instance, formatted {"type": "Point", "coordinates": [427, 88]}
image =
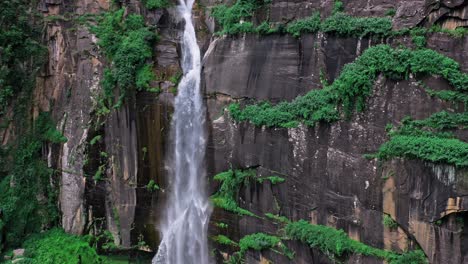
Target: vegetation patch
{"type": "Point", "coordinates": [429, 139]}
{"type": "Point", "coordinates": [388, 221]}
{"type": "Point", "coordinates": [156, 4]}
{"type": "Point", "coordinates": [351, 89]}
{"type": "Point", "coordinates": [336, 244]}
{"type": "Point", "coordinates": [21, 54]}
{"type": "Point", "coordinates": [55, 246]}
{"type": "Point", "coordinates": [27, 194]}
{"type": "Point", "coordinates": [256, 242]}
{"type": "Point", "coordinates": [231, 182]}
{"type": "Point", "coordinates": [127, 43]}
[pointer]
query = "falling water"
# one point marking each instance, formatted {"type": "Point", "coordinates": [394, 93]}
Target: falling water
{"type": "Point", "coordinates": [184, 230]}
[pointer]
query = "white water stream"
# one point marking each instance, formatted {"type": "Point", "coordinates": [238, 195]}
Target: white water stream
{"type": "Point", "coordinates": [184, 228]}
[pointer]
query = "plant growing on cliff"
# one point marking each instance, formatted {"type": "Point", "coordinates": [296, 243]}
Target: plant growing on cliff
{"type": "Point", "coordinates": [306, 25]}
{"type": "Point", "coordinates": [234, 19]}
{"type": "Point", "coordinates": [55, 246]}
{"type": "Point", "coordinates": [27, 191]}
{"type": "Point", "coordinates": [127, 43]}
{"type": "Point", "coordinates": [428, 139]}
{"type": "Point", "coordinates": [352, 87]}
{"type": "Point", "coordinates": [21, 53]}
{"type": "Point", "coordinates": [388, 222]}
{"type": "Point", "coordinates": [336, 243]}
{"type": "Point", "coordinates": [156, 4]}
{"type": "Point", "coordinates": [231, 182]}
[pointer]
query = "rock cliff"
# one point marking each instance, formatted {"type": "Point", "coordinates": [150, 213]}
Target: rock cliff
{"type": "Point", "coordinates": [104, 169]}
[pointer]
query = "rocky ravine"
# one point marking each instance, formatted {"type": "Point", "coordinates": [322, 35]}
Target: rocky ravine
{"type": "Point", "coordinates": [327, 180]}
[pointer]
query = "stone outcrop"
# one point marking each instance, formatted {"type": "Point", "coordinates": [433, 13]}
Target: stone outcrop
{"type": "Point", "coordinates": [328, 181]}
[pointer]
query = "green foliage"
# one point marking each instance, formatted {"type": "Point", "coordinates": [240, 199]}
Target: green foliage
{"type": "Point", "coordinates": [273, 179]}
{"type": "Point", "coordinates": [346, 25]}
{"type": "Point", "coordinates": [350, 90]}
{"type": "Point", "coordinates": [449, 95]}
{"type": "Point", "coordinates": [152, 186]}
{"type": "Point", "coordinates": [256, 242]}
{"type": "Point", "coordinates": [457, 33]}
{"type": "Point", "coordinates": [307, 25]}
{"type": "Point", "coordinates": [233, 19]}
{"type": "Point", "coordinates": [55, 246]}
{"type": "Point", "coordinates": [336, 243]}
{"type": "Point", "coordinates": [428, 140]}
{"type": "Point", "coordinates": [156, 4]}
{"type": "Point", "coordinates": [224, 240]}
{"type": "Point", "coordinates": [27, 196]}
{"type": "Point", "coordinates": [127, 43]}
{"type": "Point", "coordinates": [388, 222]}
{"type": "Point", "coordinates": [277, 218]}
{"type": "Point", "coordinates": [222, 225]}
{"type": "Point", "coordinates": [390, 12]}
{"type": "Point", "coordinates": [337, 7]}
{"type": "Point", "coordinates": [95, 140]}
{"type": "Point", "coordinates": [433, 149]}
{"type": "Point", "coordinates": [21, 54]}
{"type": "Point", "coordinates": [231, 182]}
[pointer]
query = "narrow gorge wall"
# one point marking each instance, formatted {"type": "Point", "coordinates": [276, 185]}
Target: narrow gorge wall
{"type": "Point", "coordinates": [327, 179]}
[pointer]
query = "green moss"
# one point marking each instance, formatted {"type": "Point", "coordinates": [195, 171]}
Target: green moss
{"type": "Point", "coordinates": [336, 243]}
{"type": "Point", "coordinates": [231, 182]}
{"type": "Point", "coordinates": [55, 246]}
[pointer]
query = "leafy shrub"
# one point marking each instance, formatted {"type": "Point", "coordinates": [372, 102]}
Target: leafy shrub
{"type": "Point", "coordinates": [306, 25]}
{"type": "Point", "coordinates": [55, 246]}
{"type": "Point", "coordinates": [152, 186]}
{"type": "Point", "coordinates": [234, 19]}
{"type": "Point", "coordinates": [337, 244]}
{"type": "Point", "coordinates": [273, 179]}
{"type": "Point", "coordinates": [224, 240]}
{"type": "Point", "coordinates": [26, 177]}
{"type": "Point", "coordinates": [351, 89]}
{"type": "Point", "coordinates": [428, 140]}
{"type": "Point", "coordinates": [156, 4]}
{"type": "Point", "coordinates": [388, 221]}
{"type": "Point", "coordinates": [346, 25]}
{"type": "Point", "coordinates": [231, 182]}
{"type": "Point", "coordinates": [127, 43]}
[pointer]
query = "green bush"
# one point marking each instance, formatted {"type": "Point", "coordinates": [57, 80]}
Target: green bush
{"type": "Point", "coordinates": [25, 177]}
{"type": "Point", "coordinates": [55, 246]}
{"type": "Point", "coordinates": [350, 90]}
{"type": "Point", "coordinates": [234, 19]}
{"type": "Point", "coordinates": [336, 243]}
{"type": "Point", "coordinates": [306, 25]}
{"type": "Point", "coordinates": [429, 140]}
{"type": "Point", "coordinates": [127, 43]}
{"type": "Point", "coordinates": [21, 54]}
{"type": "Point", "coordinates": [346, 25]}
{"type": "Point", "coordinates": [156, 4]}
{"type": "Point", "coordinates": [231, 182]}
{"type": "Point", "coordinates": [388, 221]}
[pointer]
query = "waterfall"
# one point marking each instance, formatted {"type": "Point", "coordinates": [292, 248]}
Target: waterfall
{"type": "Point", "coordinates": [184, 228]}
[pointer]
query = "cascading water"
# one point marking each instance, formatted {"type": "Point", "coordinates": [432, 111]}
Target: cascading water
{"type": "Point", "coordinates": [184, 230]}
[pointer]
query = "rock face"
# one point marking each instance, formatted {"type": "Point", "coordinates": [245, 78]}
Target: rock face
{"type": "Point", "coordinates": [328, 181]}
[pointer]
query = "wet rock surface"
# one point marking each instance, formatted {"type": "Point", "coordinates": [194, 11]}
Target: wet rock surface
{"type": "Point", "coordinates": [328, 181]}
